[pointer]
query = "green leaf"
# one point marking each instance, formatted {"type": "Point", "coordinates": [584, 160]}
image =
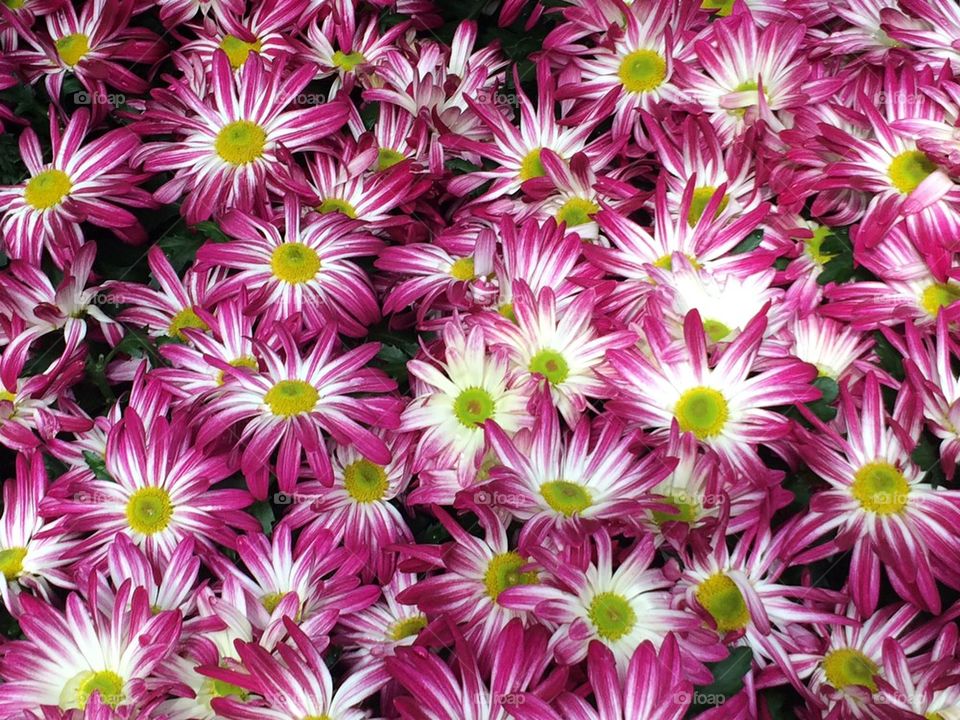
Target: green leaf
{"type": "Point", "coordinates": [890, 359]}
{"type": "Point", "coordinates": [750, 242]}
{"type": "Point", "coordinates": [97, 464]}
{"type": "Point", "coordinates": [727, 680]}
{"type": "Point", "coordinates": [211, 231]}
{"type": "Point", "coordinates": [181, 248]}
{"type": "Point", "coordinates": [262, 510]}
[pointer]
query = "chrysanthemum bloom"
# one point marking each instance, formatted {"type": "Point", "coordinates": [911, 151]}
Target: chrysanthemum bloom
{"type": "Point", "coordinates": [559, 347]}
{"type": "Point", "coordinates": [81, 183]}
{"type": "Point", "coordinates": [621, 607]}
{"type": "Point", "coordinates": [518, 659]}
{"type": "Point", "coordinates": [454, 398]}
{"type": "Point", "coordinates": [654, 688]}
{"type": "Point", "coordinates": [884, 513]}
{"type": "Point", "coordinates": [68, 657]}
{"type": "Point", "coordinates": [160, 493]}
{"type": "Point", "coordinates": [176, 12]}
{"type": "Point", "coordinates": [476, 571]}
{"type": "Point", "coordinates": [173, 588]}
{"type": "Point", "coordinates": [321, 576]}
{"type": "Point", "coordinates": [837, 351]}
{"type": "Point", "coordinates": [308, 268]}
{"type": "Point", "coordinates": [722, 405]}
{"type": "Point", "coordinates": [34, 555]}
{"type": "Point", "coordinates": [229, 154]}
{"type": "Point", "coordinates": [562, 483]}
{"type": "Point", "coordinates": [294, 683]}
{"type": "Point", "coordinates": [298, 395]}
{"type": "Point", "coordinates": [358, 507]}
{"type": "Point", "coordinates": [905, 685]}
{"type": "Point", "coordinates": [930, 27]}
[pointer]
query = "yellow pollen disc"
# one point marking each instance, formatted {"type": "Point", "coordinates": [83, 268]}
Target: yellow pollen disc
{"type": "Point", "coordinates": [702, 411]}
{"type": "Point", "coordinates": [241, 362]}
{"type": "Point", "coordinates": [388, 157]}
{"type": "Point", "coordinates": [463, 269]}
{"type": "Point", "coordinates": [106, 682]}
{"type": "Point", "coordinates": [408, 627]}
{"type": "Point", "coordinates": [334, 205]}
{"type": "Point", "coordinates": [506, 310]}
{"type": "Point", "coordinates": [186, 318]}
{"type": "Point", "coordinates": [291, 397]}
{"type": "Point", "coordinates": [847, 667]}
{"type": "Point", "coordinates": [474, 406]}
{"type": "Point", "coordinates": [577, 211]}
{"type": "Point", "coordinates": [612, 616]}
{"type": "Point", "coordinates": [701, 198]}
{"type": "Point", "coordinates": [271, 600]}
{"type": "Point", "coordinates": [908, 169]}
{"type": "Point", "coordinates": [348, 61]}
{"type": "Point", "coordinates": [723, 7]}
{"type": "Point", "coordinates": [221, 688]}
{"type": "Point", "coordinates": [11, 562]}
{"type": "Point", "coordinates": [47, 189]}
{"type": "Point", "coordinates": [642, 71]}
{"type": "Point", "coordinates": [240, 142]}
{"type": "Point", "coordinates": [720, 596]}
{"type": "Point", "coordinates": [880, 488]}
{"type": "Point", "coordinates": [6, 395]}
{"type": "Point", "coordinates": [532, 166]}
{"type": "Point", "coordinates": [238, 50]}
{"type": "Point", "coordinates": [565, 497]}
{"type": "Point", "coordinates": [72, 48]}
{"type": "Point", "coordinates": [716, 330]}
{"type": "Point", "coordinates": [149, 510]}
{"type": "Point", "coordinates": [504, 572]}
{"type": "Point", "coordinates": [317, 717]}
{"type": "Point", "coordinates": [749, 85]}
{"type": "Point", "coordinates": [365, 481]}
{"type": "Point", "coordinates": [14, 4]}
{"type": "Point", "coordinates": [295, 263]}
{"type": "Point", "coordinates": [938, 296]}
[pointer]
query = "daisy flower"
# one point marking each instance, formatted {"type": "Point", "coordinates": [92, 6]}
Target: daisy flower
{"type": "Point", "coordinates": [228, 154]}
{"type": "Point", "coordinates": [174, 588]}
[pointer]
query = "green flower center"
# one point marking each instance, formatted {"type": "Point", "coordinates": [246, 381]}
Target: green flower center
{"type": "Point", "coordinates": [473, 406]}
{"type": "Point", "coordinates": [14, 4]}
{"type": "Point", "coordinates": [238, 50]}
{"type": "Point", "coordinates": [701, 198]}
{"type": "Point", "coordinates": [47, 188]}
{"type": "Point", "coordinates": [294, 263]}
{"type": "Point", "coordinates": [551, 365]}
{"type": "Point", "coordinates": [72, 48]}
{"type": "Point", "coordinates": [106, 682]}
{"type": "Point", "coordinates": [388, 157]}
{"type": "Point", "coordinates": [407, 627]}
{"type": "Point", "coordinates": [291, 397]}
{"type": "Point", "coordinates": [642, 71]}
{"type": "Point", "coordinates": [506, 310]}
{"type": "Point", "coordinates": [463, 269]}
{"type": "Point", "coordinates": [813, 245]}
{"type": "Point", "coordinates": [612, 616]}
{"type": "Point", "coordinates": [716, 330]}
{"type": "Point", "coordinates": [186, 318]}
{"type": "Point", "coordinates": [720, 596]}
{"type": "Point", "coordinates": [687, 510]}
{"type": "Point", "coordinates": [747, 86]}
{"type": "Point", "coordinates": [532, 166]}
{"type": "Point", "coordinates": [567, 498]}
{"type": "Point", "coordinates": [11, 562]}
{"type": "Point", "coordinates": [504, 572]}
{"type": "Point", "coordinates": [847, 667]}
{"type": "Point", "coordinates": [241, 362]}
{"type": "Point", "coordinates": [221, 688]}
{"type": "Point", "coordinates": [271, 600]}
{"type": "Point", "coordinates": [149, 510]}
{"type": "Point", "coordinates": [908, 169]}
{"type": "Point", "coordinates": [880, 488]}
{"type": "Point", "coordinates": [938, 296]}
{"type": "Point", "coordinates": [240, 142]}
{"type": "Point", "coordinates": [334, 205]}
{"type": "Point", "coordinates": [577, 211]}
{"type": "Point", "coordinates": [702, 411]}
{"type": "Point", "coordinates": [364, 481]}
{"type": "Point", "coordinates": [348, 61]}
{"type": "Point", "coordinates": [723, 7]}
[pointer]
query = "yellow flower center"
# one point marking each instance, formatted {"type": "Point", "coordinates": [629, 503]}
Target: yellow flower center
{"type": "Point", "coordinates": [221, 688]}
{"type": "Point", "coordinates": [11, 562]}
{"type": "Point", "coordinates": [702, 411]}
{"type": "Point", "coordinates": [47, 189]}
{"type": "Point", "coordinates": [295, 263]}
{"type": "Point", "coordinates": [612, 616]}
{"type": "Point", "coordinates": [577, 211]}
{"type": "Point", "coordinates": [567, 498]}
{"type": "Point", "coordinates": [407, 627]}
{"type": "Point", "coordinates": [365, 482]}
{"type": "Point", "coordinates": [504, 572]}
{"type": "Point", "coordinates": [388, 157]}
{"type": "Point", "coordinates": [723, 7]}
{"type": "Point", "coordinates": [149, 510]}
{"type": "Point", "coordinates": [245, 362]}
{"type": "Point", "coordinates": [333, 205]}
{"type": "Point", "coordinates": [880, 488]}
{"type": "Point", "coordinates": [908, 169]}
{"type": "Point", "coordinates": [463, 269]}
{"type": "Point", "coordinates": [14, 4]}
{"type": "Point", "coordinates": [72, 48]}
{"type": "Point", "coordinates": [720, 596]}
{"type": "Point", "coordinates": [847, 667]}
{"type": "Point", "coordinates": [642, 71]}
{"type": "Point", "coordinates": [240, 142]}
{"type": "Point", "coordinates": [7, 396]}
{"type": "Point", "coordinates": [291, 397]}
{"type": "Point", "coordinates": [551, 365]}
{"type": "Point", "coordinates": [348, 61]}
{"type": "Point", "coordinates": [271, 600]}
{"type": "Point", "coordinates": [473, 406]}
{"type": "Point", "coordinates": [506, 310]}
{"type": "Point", "coordinates": [938, 296]}
{"type": "Point", "coordinates": [238, 50]}
{"type": "Point", "coordinates": [186, 318]}
{"type": "Point", "coordinates": [716, 330]}
{"type": "Point", "coordinates": [106, 682]}
{"type": "Point", "coordinates": [813, 245]}
{"type": "Point", "coordinates": [687, 510]}
{"type": "Point", "coordinates": [532, 166]}
{"type": "Point", "coordinates": [701, 198]}
{"type": "Point", "coordinates": [747, 86]}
